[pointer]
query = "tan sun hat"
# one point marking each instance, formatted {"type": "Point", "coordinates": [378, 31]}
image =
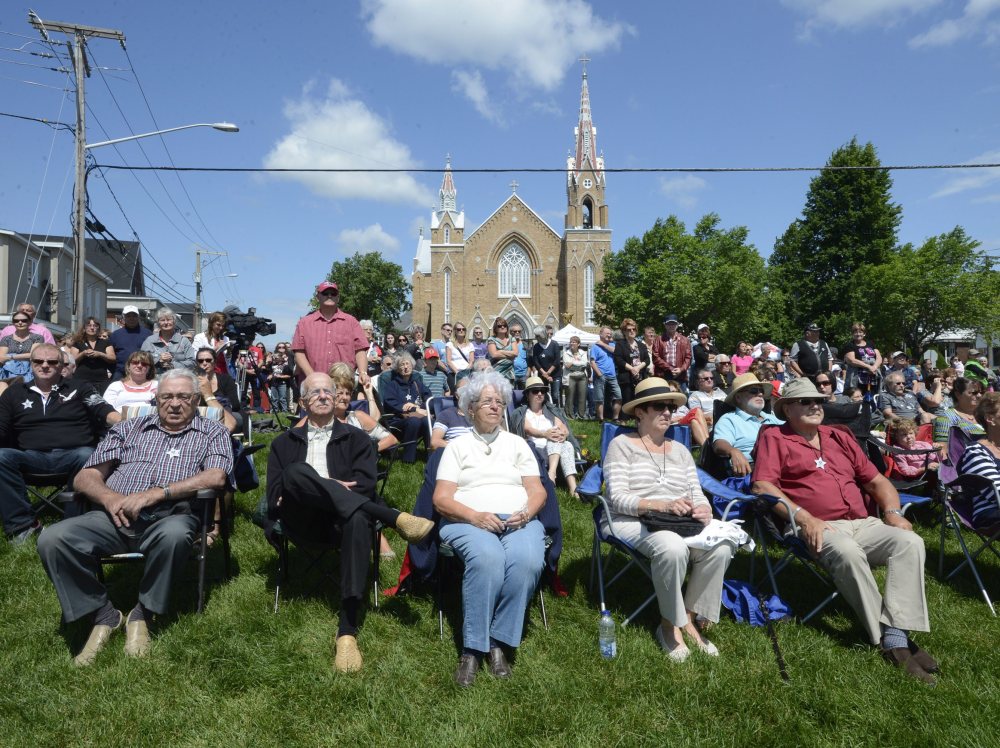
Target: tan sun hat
{"type": "Point", "coordinates": [797, 389]}
{"type": "Point", "coordinates": [742, 382]}
{"type": "Point", "coordinates": [535, 383]}
{"type": "Point", "coordinates": [653, 390]}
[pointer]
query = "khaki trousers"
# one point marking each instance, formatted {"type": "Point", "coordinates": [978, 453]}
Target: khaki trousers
{"type": "Point", "coordinates": [850, 552]}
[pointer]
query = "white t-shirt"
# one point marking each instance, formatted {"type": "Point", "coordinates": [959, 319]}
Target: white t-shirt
{"type": "Point", "coordinates": [539, 422]}
{"type": "Point", "coordinates": [456, 360]}
{"type": "Point", "coordinates": [489, 482]}
{"type": "Point", "coordinates": [118, 395]}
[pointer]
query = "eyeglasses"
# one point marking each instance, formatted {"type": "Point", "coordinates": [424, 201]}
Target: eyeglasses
{"type": "Point", "coordinates": [320, 392]}
{"type": "Point", "coordinates": [330, 293]}
{"type": "Point", "coordinates": [459, 329]}
{"type": "Point", "coordinates": [536, 392]}
{"type": "Point", "coordinates": [490, 402]}
{"type": "Point", "coordinates": [143, 364]}
{"type": "Point", "coordinates": [501, 327]}
{"type": "Point", "coordinates": [21, 321]}
{"type": "Point", "coordinates": [515, 332]}
{"type": "Point", "coordinates": [824, 384]}
{"type": "Point", "coordinates": [805, 402]}
{"type": "Point", "coordinates": [181, 397]}
{"type": "Point", "coordinates": [705, 379]}
{"type": "Point", "coordinates": [205, 360]}
{"type": "Point", "coordinates": [445, 329]}
{"type": "Point", "coordinates": [754, 390]}
{"type": "Point", "coordinates": [973, 393]}
{"type": "Point", "coordinates": [660, 407]}
{"type": "Point", "coordinates": [46, 362]}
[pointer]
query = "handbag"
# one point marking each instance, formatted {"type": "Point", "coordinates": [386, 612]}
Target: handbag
{"type": "Point", "coordinates": [683, 526]}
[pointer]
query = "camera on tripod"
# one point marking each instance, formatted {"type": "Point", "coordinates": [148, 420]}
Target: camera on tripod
{"type": "Point", "coordinates": [242, 327]}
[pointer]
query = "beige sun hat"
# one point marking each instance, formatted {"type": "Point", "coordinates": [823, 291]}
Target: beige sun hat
{"type": "Point", "coordinates": [653, 390]}
{"type": "Point", "coordinates": [797, 389]}
{"type": "Point", "coordinates": [535, 383]}
{"type": "Point", "coordinates": [742, 382]}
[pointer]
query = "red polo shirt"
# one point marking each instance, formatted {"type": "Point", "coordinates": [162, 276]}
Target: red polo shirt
{"type": "Point", "coordinates": [826, 482]}
{"type": "Point", "coordinates": [327, 341]}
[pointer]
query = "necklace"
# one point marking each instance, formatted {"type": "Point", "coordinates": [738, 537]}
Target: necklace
{"type": "Point", "coordinates": [486, 442]}
{"type": "Point", "coordinates": [661, 468]}
{"type": "Point", "coordinates": [820, 462]}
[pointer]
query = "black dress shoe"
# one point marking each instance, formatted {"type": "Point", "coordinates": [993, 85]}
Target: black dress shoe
{"type": "Point", "coordinates": [922, 658]}
{"type": "Point", "coordinates": [499, 667]}
{"type": "Point", "coordinates": [468, 666]}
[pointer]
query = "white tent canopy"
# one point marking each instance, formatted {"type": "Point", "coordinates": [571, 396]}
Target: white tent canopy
{"type": "Point", "coordinates": [586, 338]}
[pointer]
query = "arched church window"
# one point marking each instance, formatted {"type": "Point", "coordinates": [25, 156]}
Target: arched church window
{"type": "Point", "coordinates": [447, 295]}
{"type": "Point", "coordinates": [588, 294]}
{"type": "Point", "coordinates": [588, 213]}
{"type": "Point", "coordinates": [515, 272]}
{"type": "Point", "coordinates": [447, 234]}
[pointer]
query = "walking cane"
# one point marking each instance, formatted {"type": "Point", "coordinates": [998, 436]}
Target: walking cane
{"type": "Point", "coordinates": [774, 639]}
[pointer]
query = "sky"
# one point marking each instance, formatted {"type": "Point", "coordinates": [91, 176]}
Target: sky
{"type": "Point", "coordinates": [404, 83]}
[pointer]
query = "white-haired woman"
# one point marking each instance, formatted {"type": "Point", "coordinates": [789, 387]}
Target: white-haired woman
{"type": "Point", "coordinates": [168, 347]}
{"type": "Point", "coordinates": [489, 494]}
{"type": "Point", "coordinates": [403, 398]}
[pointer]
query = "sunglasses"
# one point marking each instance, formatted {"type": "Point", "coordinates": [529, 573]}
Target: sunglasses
{"type": "Point", "coordinates": [459, 329]}
{"type": "Point", "coordinates": [330, 293]}
{"type": "Point", "coordinates": [48, 361]}
{"type": "Point", "coordinates": [501, 327]}
{"type": "Point", "coordinates": [143, 364]}
{"type": "Point", "coordinates": [805, 401]}
{"type": "Point", "coordinates": [754, 390]}
{"type": "Point", "coordinates": [205, 360]}
{"type": "Point", "coordinates": [21, 321]}
{"type": "Point", "coordinates": [823, 384]}
{"type": "Point", "coordinates": [660, 407]}
{"type": "Point", "coordinates": [704, 379]}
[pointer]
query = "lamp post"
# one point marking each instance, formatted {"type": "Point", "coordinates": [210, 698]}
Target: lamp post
{"type": "Point", "coordinates": [80, 202]}
{"type": "Point", "coordinates": [196, 317]}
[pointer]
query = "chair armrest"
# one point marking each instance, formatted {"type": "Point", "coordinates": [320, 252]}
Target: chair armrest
{"type": "Point", "coordinates": [774, 501]}
{"type": "Point", "coordinates": [589, 487]}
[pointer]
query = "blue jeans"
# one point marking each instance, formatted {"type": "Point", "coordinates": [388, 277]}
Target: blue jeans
{"type": "Point", "coordinates": [501, 573]}
{"type": "Point", "coordinates": [279, 398]}
{"type": "Point", "coordinates": [14, 505]}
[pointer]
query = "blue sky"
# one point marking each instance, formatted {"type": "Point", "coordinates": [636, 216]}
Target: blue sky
{"type": "Point", "coordinates": [401, 83]}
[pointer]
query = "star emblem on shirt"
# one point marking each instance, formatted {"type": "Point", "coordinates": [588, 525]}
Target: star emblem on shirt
{"type": "Point", "coordinates": [173, 453]}
{"type": "Point", "coordinates": [820, 463]}
{"type": "Point", "coordinates": [409, 397]}
{"type": "Point", "coordinates": [27, 404]}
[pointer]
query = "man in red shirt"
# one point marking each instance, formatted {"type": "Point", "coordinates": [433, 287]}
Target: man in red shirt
{"type": "Point", "coordinates": [821, 472]}
{"type": "Point", "coordinates": [672, 353]}
{"type": "Point", "coordinates": [328, 335]}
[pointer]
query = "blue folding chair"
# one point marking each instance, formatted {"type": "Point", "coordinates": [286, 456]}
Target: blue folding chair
{"type": "Point", "coordinates": [591, 489]}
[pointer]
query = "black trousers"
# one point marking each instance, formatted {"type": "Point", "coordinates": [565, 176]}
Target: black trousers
{"type": "Point", "coordinates": [320, 510]}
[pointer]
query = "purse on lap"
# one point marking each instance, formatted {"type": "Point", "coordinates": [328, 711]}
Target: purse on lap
{"type": "Point", "coordinates": [683, 526]}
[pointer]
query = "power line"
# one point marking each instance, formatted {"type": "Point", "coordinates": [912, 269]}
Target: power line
{"type": "Point", "coordinates": [33, 65]}
{"type": "Point", "coordinates": [547, 170]}
{"type": "Point", "coordinates": [49, 122]}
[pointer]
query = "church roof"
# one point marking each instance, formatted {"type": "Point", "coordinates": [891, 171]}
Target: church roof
{"type": "Point", "coordinates": [422, 259]}
{"type": "Point", "coordinates": [457, 218]}
{"type": "Point", "coordinates": [526, 207]}
{"type": "Point", "coordinates": [585, 157]}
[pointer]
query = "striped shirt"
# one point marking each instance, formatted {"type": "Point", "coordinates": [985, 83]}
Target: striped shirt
{"type": "Point", "coordinates": [978, 460]}
{"type": "Point", "coordinates": [319, 438]}
{"type": "Point", "coordinates": [631, 474]}
{"type": "Point", "coordinates": [147, 455]}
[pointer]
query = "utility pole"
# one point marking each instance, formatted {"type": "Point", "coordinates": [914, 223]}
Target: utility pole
{"type": "Point", "coordinates": [198, 252]}
{"type": "Point", "coordinates": [77, 44]}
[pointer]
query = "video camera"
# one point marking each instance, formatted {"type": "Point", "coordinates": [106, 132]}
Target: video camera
{"type": "Point", "coordinates": [241, 326]}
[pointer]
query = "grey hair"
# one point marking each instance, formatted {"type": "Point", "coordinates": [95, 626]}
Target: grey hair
{"type": "Point", "coordinates": [539, 332]}
{"type": "Point", "coordinates": [402, 356]}
{"type": "Point", "coordinates": [417, 328]}
{"type": "Point", "coordinates": [482, 364]}
{"type": "Point", "coordinates": [478, 382]}
{"type": "Point", "coordinates": [165, 311]}
{"type": "Point", "coordinates": [366, 324]}
{"type": "Point", "coordinates": [185, 374]}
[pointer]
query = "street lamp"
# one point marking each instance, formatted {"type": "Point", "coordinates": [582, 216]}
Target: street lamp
{"type": "Point", "coordinates": [80, 203]}
{"type": "Point", "coordinates": [196, 317]}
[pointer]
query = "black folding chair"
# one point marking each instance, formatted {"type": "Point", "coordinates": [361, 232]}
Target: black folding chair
{"type": "Point", "coordinates": [44, 491]}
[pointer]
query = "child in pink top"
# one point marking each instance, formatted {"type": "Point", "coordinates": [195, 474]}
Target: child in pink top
{"type": "Point", "coordinates": [742, 359]}
{"type": "Point", "coordinates": [908, 467]}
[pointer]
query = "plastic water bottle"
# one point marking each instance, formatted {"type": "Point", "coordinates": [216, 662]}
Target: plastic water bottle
{"type": "Point", "coordinates": [606, 636]}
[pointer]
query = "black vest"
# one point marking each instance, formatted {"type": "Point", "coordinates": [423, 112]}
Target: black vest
{"type": "Point", "coordinates": [810, 362]}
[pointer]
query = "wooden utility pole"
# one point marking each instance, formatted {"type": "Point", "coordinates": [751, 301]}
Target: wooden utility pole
{"type": "Point", "coordinates": [77, 44]}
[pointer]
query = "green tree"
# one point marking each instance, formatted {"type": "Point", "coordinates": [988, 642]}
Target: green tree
{"type": "Point", "coordinates": [946, 283]}
{"type": "Point", "coordinates": [371, 288]}
{"type": "Point", "coordinates": [849, 223]}
{"type": "Point", "coordinates": [711, 275]}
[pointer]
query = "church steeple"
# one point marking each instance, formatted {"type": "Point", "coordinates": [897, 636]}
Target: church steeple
{"type": "Point", "coordinates": [447, 193]}
{"type": "Point", "coordinates": [585, 180]}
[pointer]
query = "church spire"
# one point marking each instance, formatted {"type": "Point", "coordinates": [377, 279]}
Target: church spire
{"type": "Point", "coordinates": [447, 193]}
{"type": "Point", "coordinates": [585, 133]}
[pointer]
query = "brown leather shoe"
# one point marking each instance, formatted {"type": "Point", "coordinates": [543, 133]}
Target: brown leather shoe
{"type": "Point", "coordinates": [348, 658]}
{"type": "Point", "coordinates": [413, 529]}
{"type": "Point", "coordinates": [468, 667]}
{"type": "Point", "coordinates": [99, 636]}
{"type": "Point", "coordinates": [901, 658]}
{"type": "Point", "coordinates": [137, 639]}
{"type": "Point", "coordinates": [497, 661]}
{"type": "Point", "coordinates": [922, 658]}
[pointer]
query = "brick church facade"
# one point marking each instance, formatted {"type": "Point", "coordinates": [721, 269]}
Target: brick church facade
{"type": "Point", "coordinates": [514, 264]}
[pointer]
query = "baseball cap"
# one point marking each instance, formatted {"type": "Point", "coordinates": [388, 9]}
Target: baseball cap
{"type": "Point", "coordinates": [431, 353]}
{"type": "Point", "coordinates": [130, 309]}
{"type": "Point", "coordinates": [325, 286]}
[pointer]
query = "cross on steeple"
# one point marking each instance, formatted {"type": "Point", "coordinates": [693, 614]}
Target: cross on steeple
{"type": "Point", "coordinates": [513, 186]}
{"type": "Point", "coordinates": [584, 60]}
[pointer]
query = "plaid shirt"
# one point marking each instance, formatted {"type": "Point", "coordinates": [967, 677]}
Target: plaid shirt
{"type": "Point", "coordinates": [146, 455]}
{"type": "Point", "coordinates": [327, 341]}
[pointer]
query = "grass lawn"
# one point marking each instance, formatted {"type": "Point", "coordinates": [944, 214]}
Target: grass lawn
{"type": "Point", "coordinates": [242, 675]}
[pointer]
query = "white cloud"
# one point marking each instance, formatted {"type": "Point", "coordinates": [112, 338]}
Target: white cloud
{"type": "Point", "coordinates": [683, 190]}
{"type": "Point", "coordinates": [369, 239]}
{"type": "Point", "coordinates": [974, 21]}
{"type": "Point", "coordinates": [535, 41]}
{"type": "Point", "coordinates": [973, 179]}
{"type": "Point", "coordinates": [470, 84]}
{"type": "Point", "coordinates": [338, 131]}
{"type": "Point", "coordinates": [855, 13]}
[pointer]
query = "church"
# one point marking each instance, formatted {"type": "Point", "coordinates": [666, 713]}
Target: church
{"type": "Point", "coordinates": [514, 264]}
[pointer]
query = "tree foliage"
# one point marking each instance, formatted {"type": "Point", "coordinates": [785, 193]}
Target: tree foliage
{"type": "Point", "coordinates": [945, 284]}
{"type": "Point", "coordinates": [849, 223]}
{"type": "Point", "coordinates": [711, 275]}
{"type": "Point", "coordinates": [371, 288]}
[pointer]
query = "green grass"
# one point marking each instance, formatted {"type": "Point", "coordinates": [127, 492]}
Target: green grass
{"type": "Point", "coordinates": [241, 675]}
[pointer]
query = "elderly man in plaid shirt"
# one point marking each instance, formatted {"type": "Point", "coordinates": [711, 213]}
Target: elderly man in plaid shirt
{"type": "Point", "coordinates": [140, 478]}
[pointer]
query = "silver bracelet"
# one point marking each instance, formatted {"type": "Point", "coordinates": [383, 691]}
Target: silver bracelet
{"type": "Point", "coordinates": [894, 511]}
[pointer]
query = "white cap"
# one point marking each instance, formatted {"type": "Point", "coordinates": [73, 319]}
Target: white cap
{"type": "Point", "coordinates": [130, 309]}
{"type": "Point", "coordinates": [702, 326]}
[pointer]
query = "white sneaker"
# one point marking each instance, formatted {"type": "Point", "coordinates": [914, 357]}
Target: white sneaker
{"type": "Point", "coordinates": [676, 652]}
